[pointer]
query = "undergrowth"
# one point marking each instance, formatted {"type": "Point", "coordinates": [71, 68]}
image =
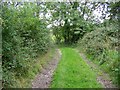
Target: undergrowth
{"type": "Point", "coordinates": [24, 38]}
{"type": "Point", "coordinates": [101, 46]}
{"type": "Point", "coordinates": [35, 67]}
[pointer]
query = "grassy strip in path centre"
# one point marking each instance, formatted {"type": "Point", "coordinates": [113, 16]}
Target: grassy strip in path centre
{"type": "Point", "coordinates": [73, 72]}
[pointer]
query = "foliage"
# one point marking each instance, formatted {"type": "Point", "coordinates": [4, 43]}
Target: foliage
{"type": "Point", "coordinates": [102, 46]}
{"type": "Point", "coordinates": [69, 22]}
{"type": "Point", "coordinates": [115, 10]}
{"type": "Point", "coordinates": [24, 37]}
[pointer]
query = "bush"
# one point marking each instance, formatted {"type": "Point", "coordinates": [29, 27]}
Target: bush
{"type": "Point", "coordinates": [102, 46]}
{"type": "Point", "coordinates": [24, 37]}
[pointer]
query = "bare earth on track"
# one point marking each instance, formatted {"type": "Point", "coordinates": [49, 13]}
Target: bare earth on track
{"type": "Point", "coordinates": [43, 79]}
{"type": "Point", "coordinates": [103, 78]}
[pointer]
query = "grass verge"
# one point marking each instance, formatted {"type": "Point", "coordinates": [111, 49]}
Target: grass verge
{"type": "Point", "coordinates": [109, 66]}
{"type": "Point", "coordinates": [73, 72]}
{"type": "Point", "coordinates": [36, 66]}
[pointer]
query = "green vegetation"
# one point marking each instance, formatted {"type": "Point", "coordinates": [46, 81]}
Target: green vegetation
{"type": "Point", "coordinates": [101, 47]}
{"type": "Point", "coordinates": [25, 38]}
{"type": "Point", "coordinates": [74, 27]}
{"type": "Point", "coordinates": [71, 72]}
{"type": "Point", "coordinates": [30, 30]}
{"type": "Point", "coordinates": [41, 62]}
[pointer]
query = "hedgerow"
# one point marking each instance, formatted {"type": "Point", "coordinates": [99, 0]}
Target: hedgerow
{"type": "Point", "coordinates": [24, 37]}
{"type": "Point", "coordinates": [101, 45]}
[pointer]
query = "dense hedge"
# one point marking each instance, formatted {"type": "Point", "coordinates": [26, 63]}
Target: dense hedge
{"type": "Point", "coordinates": [24, 37]}
{"type": "Point", "coordinates": [101, 45]}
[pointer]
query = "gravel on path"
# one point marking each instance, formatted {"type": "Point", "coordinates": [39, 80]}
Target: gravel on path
{"type": "Point", "coordinates": [43, 79]}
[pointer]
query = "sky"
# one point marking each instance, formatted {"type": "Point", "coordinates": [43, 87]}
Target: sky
{"type": "Point", "coordinates": [96, 13]}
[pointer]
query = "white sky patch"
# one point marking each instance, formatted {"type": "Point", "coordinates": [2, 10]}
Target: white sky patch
{"type": "Point", "coordinates": [48, 16]}
{"type": "Point", "coordinates": [97, 13]}
{"type": "Point", "coordinates": [56, 23]}
{"type": "Point", "coordinates": [43, 6]}
{"type": "Point", "coordinates": [107, 16]}
{"type": "Point", "coordinates": [41, 15]}
{"type": "Point", "coordinates": [62, 23]}
{"type": "Point", "coordinates": [85, 16]}
{"type": "Point", "coordinates": [49, 26]}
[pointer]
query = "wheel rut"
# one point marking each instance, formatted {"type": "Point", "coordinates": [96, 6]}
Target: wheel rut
{"type": "Point", "coordinates": [43, 79]}
{"type": "Point", "coordinates": [103, 78]}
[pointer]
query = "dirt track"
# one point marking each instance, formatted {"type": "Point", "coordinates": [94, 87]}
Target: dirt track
{"type": "Point", "coordinates": [44, 78]}
{"type": "Point", "coordinates": [103, 78]}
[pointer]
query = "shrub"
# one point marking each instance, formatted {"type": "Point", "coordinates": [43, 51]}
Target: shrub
{"type": "Point", "coordinates": [24, 37]}
{"type": "Point", "coordinates": [102, 45]}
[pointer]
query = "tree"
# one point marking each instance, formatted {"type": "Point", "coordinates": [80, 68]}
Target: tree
{"type": "Point", "coordinates": [74, 26]}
